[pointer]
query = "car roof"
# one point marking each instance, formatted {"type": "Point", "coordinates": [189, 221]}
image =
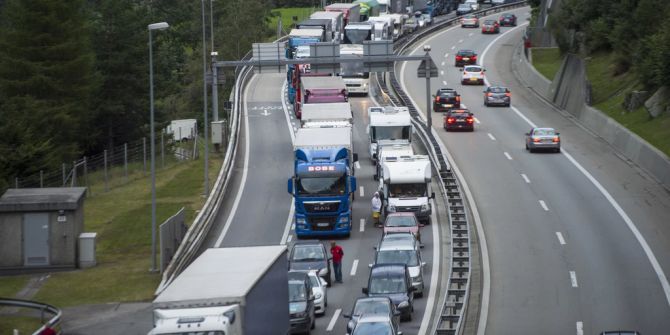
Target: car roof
{"type": "Point", "coordinates": [544, 128]}
{"type": "Point", "coordinates": [307, 242]}
{"type": "Point", "coordinates": [446, 89]}
{"type": "Point", "coordinates": [457, 111]}
{"type": "Point", "coordinates": [297, 275]}
{"type": "Point", "coordinates": [365, 318]}
{"type": "Point", "coordinates": [508, 15]}
{"type": "Point", "coordinates": [401, 214]}
{"type": "Point", "coordinates": [396, 245]}
{"type": "Point", "coordinates": [490, 21]}
{"type": "Point", "coordinates": [395, 268]}
{"type": "Point", "coordinates": [377, 299]}
{"type": "Point", "coordinates": [468, 51]}
{"type": "Point", "coordinates": [471, 66]}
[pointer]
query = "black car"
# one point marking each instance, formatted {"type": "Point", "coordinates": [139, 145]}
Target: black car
{"type": "Point", "coordinates": [446, 99]}
{"type": "Point", "coordinates": [459, 119]}
{"type": "Point", "coordinates": [463, 9]}
{"type": "Point", "coordinates": [466, 57]}
{"type": "Point", "coordinates": [310, 255]}
{"type": "Point", "coordinates": [507, 20]}
{"type": "Point", "coordinates": [393, 281]}
{"type": "Point", "coordinates": [371, 305]}
{"type": "Point", "coordinates": [301, 302]}
{"type": "Point", "coordinates": [497, 96]}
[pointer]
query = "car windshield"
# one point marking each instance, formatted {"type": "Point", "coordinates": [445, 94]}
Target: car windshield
{"type": "Point", "coordinates": [314, 279]}
{"type": "Point", "coordinates": [373, 328]}
{"type": "Point", "coordinates": [400, 221]}
{"type": "Point", "coordinates": [472, 69]}
{"type": "Point", "coordinates": [388, 284]}
{"type": "Point", "coordinates": [296, 291]}
{"type": "Point", "coordinates": [357, 36]}
{"type": "Point", "coordinates": [466, 53]}
{"type": "Point", "coordinates": [497, 89]}
{"type": "Point", "coordinates": [447, 94]}
{"type": "Point", "coordinates": [391, 133]}
{"type": "Point", "coordinates": [411, 190]}
{"type": "Point", "coordinates": [321, 185]}
{"type": "Point", "coordinates": [353, 70]}
{"type": "Point", "coordinates": [376, 307]}
{"type": "Point", "coordinates": [544, 132]}
{"type": "Point", "coordinates": [308, 253]}
{"type": "Point", "coordinates": [210, 332]}
{"type": "Point", "coordinates": [397, 256]}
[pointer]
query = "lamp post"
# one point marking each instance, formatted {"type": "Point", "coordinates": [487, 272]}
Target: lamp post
{"type": "Point", "coordinates": [429, 119]}
{"type": "Point", "coordinates": [151, 27]}
{"type": "Point", "coordinates": [204, 100]}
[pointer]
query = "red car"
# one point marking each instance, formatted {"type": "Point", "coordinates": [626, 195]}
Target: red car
{"type": "Point", "coordinates": [507, 20]}
{"type": "Point", "coordinates": [490, 27]}
{"type": "Point", "coordinates": [402, 222]}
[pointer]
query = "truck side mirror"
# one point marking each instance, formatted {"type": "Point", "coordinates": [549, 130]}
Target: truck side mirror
{"type": "Point", "coordinates": [355, 157]}
{"type": "Point", "coordinates": [365, 290]}
{"type": "Point", "coordinates": [289, 185]}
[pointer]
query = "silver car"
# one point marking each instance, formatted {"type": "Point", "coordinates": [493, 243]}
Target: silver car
{"type": "Point", "coordinates": [392, 250]}
{"type": "Point", "coordinates": [543, 139]}
{"type": "Point", "coordinates": [320, 291]}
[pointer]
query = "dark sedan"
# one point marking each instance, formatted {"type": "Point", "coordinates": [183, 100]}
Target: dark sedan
{"type": "Point", "coordinates": [371, 305]}
{"type": "Point", "coordinates": [465, 57]}
{"type": "Point", "coordinates": [543, 139]}
{"type": "Point", "coordinates": [507, 20]}
{"type": "Point", "coordinates": [459, 119]}
{"type": "Point", "coordinates": [497, 96]}
{"type": "Point", "coordinates": [446, 99]}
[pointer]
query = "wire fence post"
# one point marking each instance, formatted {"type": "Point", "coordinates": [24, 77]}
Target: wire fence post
{"type": "Point", "coordinates": [74, 174]}
{"type": "Point", "coordinates": [16, 182]}
{"type": "Point", "coordinates": [125, 160]}
{"type": "Point", "coordinates": [105, 158]}
{"type": "Point", "coordinates": [162, 150]}
{"type": "Point", "coordinates": [144, 149]}
{"type": "Point", "coordinates": [41, 178]}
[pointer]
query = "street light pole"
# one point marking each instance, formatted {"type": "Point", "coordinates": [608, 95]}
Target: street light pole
{"type": "Point", "coordinates": [153, 26]}
{"type": "Point", "coordinates": [429, 118]}
{"type": "Point", "coordinates": [204, 100]}
{"type": "Point", "coordinates": [215, 77]}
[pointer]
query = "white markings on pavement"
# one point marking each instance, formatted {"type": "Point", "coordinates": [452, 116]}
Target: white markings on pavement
{"type": "Point", "coordinates": [293, 226]}
{"type": "Point", "coordinates": [460, 41]}
{"type": "Point", "coordinates": [446, 55]}
{"type": "Point", "coordinates": [362, 228]}
{"type": "Point", "coordinates": [362, 191]}
{"type": "Point", "coordinates": [580, 328]}
{"type": "Point", "coordinates": [507, 155]}
{"type": "Point", "coordinates": [444, 82]}
{"type": "Point", "coordinates": [285, 238]}
{"type": "Point", "coordinates": [561, 240]}
{"type": "Point", "coordinates": [573, 279]}
{"type": "Point", "coordinates": [525, 178]}
{"type": "Point", "coordinates": [331, 325]}
{"type": "Point", "coordinates": [289, 238]}
{"type": "Point", "coordinates": [442, 72]}
{"type": "Point", "coordinates": [357, 165]}
{"type": "Point", "coordinates": [477, 120]}
{"type": "Point", "coordinates": [544, 205]}
{"type": "Point", "coordinates": [470, 34]}
{"type": "Point", "coordinates": [354, 266]}
{"type": "Point", "coordinates": [442, 64]}
{"type": "Point", "coordinates": [453, 47]}
{"type": "Point", "coordinates": [491, 137]}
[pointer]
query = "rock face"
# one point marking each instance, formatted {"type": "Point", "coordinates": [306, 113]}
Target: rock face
{"type": "Point", "coordinates": [659, 102]}
{"type": "Point", "coordinates": [635, 100]}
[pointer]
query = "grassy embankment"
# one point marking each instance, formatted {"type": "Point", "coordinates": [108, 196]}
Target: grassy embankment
{"type": "Point", "coordinates": [287, 15]}
{"type": "Point", "coordinates": [547, 61]}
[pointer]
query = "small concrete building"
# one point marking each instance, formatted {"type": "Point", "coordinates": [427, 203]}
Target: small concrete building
{"type": "Point", "coordinates": [40, 227]}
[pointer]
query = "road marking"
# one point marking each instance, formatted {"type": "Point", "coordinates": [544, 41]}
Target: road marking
{"type": "Point", "coordinates": [331, 325]}
{"type": "Point", "coordinates": [442, 63]}
{"type": "Point", "coordinates": [442, 72]}
{"type": "Point", "coordinates": [460, 41]}
{"type": "Point", "coordinates": [491, 137]}
{"type": "Point", "coordinates": [573, 279]}
{"type": "Point", "coordinates": [444, 82]}
{"type": "Point", "coordinates": [453, 47]}
{"type": "Point", "coordinates": [477, 120]}
{"type": "Point", "coordinates": [525, 178]}
{"type": "Point", "coordinates": [470, 34]}
{"type": "Point", "coordinates": [362, 191]}
{"type": "Point", "coordinates": [289, 224]}
{"type": "Point", "coordinates": [561, 240]}
{"type": "Point", "coordinates": [289, 238]}
{"type": "Point", "coordinates": [464, 106]}
{"type": "Point", "coordinates": [580, 328]}
{"type": "Point", "coordinates": [362, 227]}
{"type": "Point", "coordinates": [293, 226]}
{"type": "Point", "coordinates": [507, 155]}
{"type": "Point", "coordinates": [354, 266]}
{"type": "Point", "coordinates": [357, 165]}
{"type": "Point", "coordinates": [446, 55]}
{"type": "Point", "coordinates": [544, 205]}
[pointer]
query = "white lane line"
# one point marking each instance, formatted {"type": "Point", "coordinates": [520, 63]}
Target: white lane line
{"type": "Point", "coordinates": [331, 325]}
{"type": "Point", "coordinates": [293, 226]}
{"type": "Point", "coordinates": [464, 106]}
{"type": "Point", "coordinates": [287, 113]}
{"type": "Point", "coordinates": [295, 129]}
{"type": "Point", "coordinates": [357, 165]}
{"type": "Point", "coordinates": [544, 205]}
{"type": "Point", "coordinates": [362, 227]}
{"type": "Point", "coordinates": [580, 328]}
{"type": "Point", "coordinates": [442, 72]}
{"type": "Point", "coordinates": [507, 155]}
{"type": "Point", "coordinates": [460, 41]}
{"type": "Point", "coordinates": [525, 178]}
{"type": "Point", "coordinates": [245, 170]}
{"type": "Point", "coordinates": [444, 82]}
{"type": "Point", "coordinates": [362, 191]}
{"type": "Point", "coordinates": [453, 47]}
{"type": "Point", "coordinates": [470, 34]}
{"type": "Point", "coordinates": [491, 137]}
{"type": "Point", "coordinates": [573, 279]}
{"type": "Point", "coordinates": [477, 120]}
{"type": "Point", "coordinates": [561, 240]}
{"type": "Point", "coordinates": [288, 239]}
{"type": "Point", "coordinates": [446, 55]}
{"type": "Point", "coordinates": [354, 266]}
{"type": "Point", "coordinates": [442, 63]}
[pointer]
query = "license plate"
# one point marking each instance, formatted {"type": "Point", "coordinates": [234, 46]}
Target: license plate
{"type": "Point", "coordinates": [460, 120]}
{"type": "Point", "coordinates": [446, 105]}
{"type": "Point", "coordinates": [466, 58]}
{"type": "Point", "coordinates": [322, 224]}
{"type": "Point", "coordinates": [473, 79]}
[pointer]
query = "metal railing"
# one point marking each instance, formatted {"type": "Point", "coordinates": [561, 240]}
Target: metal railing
{"type": "Point", "coordinates": [452, 315]}
{"type": "Point", "coordinates": [44, 309]}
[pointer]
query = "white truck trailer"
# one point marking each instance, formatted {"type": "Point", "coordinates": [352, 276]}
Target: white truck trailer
{"type": "Point", "coordinates": [338, 22]}
{"type": "Point", "coordinates": [336, 114]}
{"type": "Point", "coordinates": [405, 186]}
{"type": "Point", "coordinates": [231, 291]}
{"type": "Point", "coordinates": [388, 123]}
{"type": "Point", "coordinates": [182, 130]}
{"type": "Point", "coordinates": [383, 27]}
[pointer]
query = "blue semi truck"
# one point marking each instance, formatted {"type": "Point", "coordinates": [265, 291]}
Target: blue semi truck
{"type": "Point", "coordinates": [323, 182]}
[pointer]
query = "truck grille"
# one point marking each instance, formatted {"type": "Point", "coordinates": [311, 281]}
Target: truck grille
{"type": "Point", "coordinates": [317, 207]}
{"type": "Point", "coordinates": [408, 209]}
{"type": "Point", "coordinates": [354, 85]}
{"type": "Point", "coordinates": [323, 222]}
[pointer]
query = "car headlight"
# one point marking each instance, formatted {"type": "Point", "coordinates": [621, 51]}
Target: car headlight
{"type": "Point", "coordinates": [318, 295]}
{"type": "Point", "coordinates": [391, 208]}
{"type": "Point", "coordinates": [425, 207]}
{"type": "Point", "coordinates": [403, 305]}
{"type": "Point", "coordinates": [343, 219]}
{"type": "Point", "coordinates": [300, 315]}
{"type": "Point", "coordinates": [300, 221]}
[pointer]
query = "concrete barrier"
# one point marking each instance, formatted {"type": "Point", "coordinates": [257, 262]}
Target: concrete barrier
{"type": "Point", "coordinates": [567, 92]}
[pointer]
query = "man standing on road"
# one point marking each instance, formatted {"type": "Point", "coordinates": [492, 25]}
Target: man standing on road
{"type": "Point", "coordinates": [337, 253]}
{"type": "Point", "coordinates": [376, 209]}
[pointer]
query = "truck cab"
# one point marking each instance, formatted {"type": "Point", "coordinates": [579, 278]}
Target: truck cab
{"type": "Point", "coordinates": [383, 27]}
{"type": "Point", "coordinates": [354, 75]}
{"type": "Point", "coordinates": [398, 24]}
{"type": "Point", "coordinates": [357, 32]}
{"type": "Point", "coordinates": [388, 123]}
{"type": "Point", "coordinates": [388, 148]}
{"type": "Point", "coordinates": [405, 186]}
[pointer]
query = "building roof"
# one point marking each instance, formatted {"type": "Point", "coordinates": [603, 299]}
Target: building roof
{"type": "Point", "coordinates": [42, 199]}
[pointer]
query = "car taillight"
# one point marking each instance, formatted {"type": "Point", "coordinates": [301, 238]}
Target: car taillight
{"type": "Point", "coordinates": [459, 57]}
{"type": "Point", "coordinates": [489, 94]}
{"type": "Point", "coordinates": [536, 140]}
{"type": "Point", "coordinates": [473, 58]}
{"type": "Point", "coordinates": [469, 119]}
{"type": "Point", "coordinates": [508, 94]}
{"type": "Point", "coordinates": [458, 98]}
{"type": "Point", "coordinates": [556, 139]}
{"type": "Point", "coordinates": [437, 99]}
{"type": "Point", "coordinates": [451, 120]}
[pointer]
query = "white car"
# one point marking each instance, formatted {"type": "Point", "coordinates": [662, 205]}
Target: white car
{"type": "Point", "coordinates": [473, 74]}
{"type": "Point", "coordinates": [473, 4]}
{"type": "Point", "coordinates": [320, 291]}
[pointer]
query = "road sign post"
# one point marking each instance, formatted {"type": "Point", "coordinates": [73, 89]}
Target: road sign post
{"type": "Point", "coordinates": [427, 69]}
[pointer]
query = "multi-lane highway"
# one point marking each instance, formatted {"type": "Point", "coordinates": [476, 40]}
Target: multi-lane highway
{"type": "Point", "coordinates": [572, 237]}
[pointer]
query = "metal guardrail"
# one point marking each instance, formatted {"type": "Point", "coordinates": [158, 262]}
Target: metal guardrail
{"type": "Point", "coordinates": [52, 323]}
{"type": "Point", "coordinates": [452, 315]}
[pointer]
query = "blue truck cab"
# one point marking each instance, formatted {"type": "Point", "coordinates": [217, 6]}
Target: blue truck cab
{"type": "Point", "coordinates": [323, 183]}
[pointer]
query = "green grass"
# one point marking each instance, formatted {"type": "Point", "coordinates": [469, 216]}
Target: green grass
{"type": "Point", "coordinates": [547, 61]}
{"type": "Point", "coordinates": [609, 92]}
{"type": "Point", "coordinates": [121, 217]}
{"type": "Point", "coordinates": [10, 286]}
{"type": "Point", "coordinates": [24, 324]}
{"type": "Point", "coordinates": [287, 16]}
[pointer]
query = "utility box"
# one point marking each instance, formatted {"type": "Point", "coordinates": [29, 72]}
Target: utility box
{"type": "Point", "coordinates": [40, 227]}
{"type": "Point", "coordinates": [87, 242]}
{"type": "Point", "coordinates": [218, 132]}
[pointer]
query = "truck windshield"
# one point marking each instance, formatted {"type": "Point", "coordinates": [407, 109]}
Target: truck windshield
{"type": "Point", "coordinates": [387, 284]}
{"type": "Point", "coordinates": [322, 185]}
{"type": "Point", "coordinates": [397, 256]}
{"type": "Point", "coordinates": [411, 190]}
{"type": "Point", "coordinates": [210, 332]}
{"type": "Point", "coordinates": [353, 70]}
{"type": "Point", "coordinates": [357, 36]}
{"type": "Point", "coordinates": [390, 133]}
{"type": "Point", "coordinates": [296, 291]}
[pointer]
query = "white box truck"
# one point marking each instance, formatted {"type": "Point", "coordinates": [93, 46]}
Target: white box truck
{"type": "Point", "coordinates": [231, 291]}
{"type": "Point", "coordinates": [405, 186]}
{"type": "Point", "coordinates": [182, 130]}
{"type": "Point", "coordinates": [388, 123]}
